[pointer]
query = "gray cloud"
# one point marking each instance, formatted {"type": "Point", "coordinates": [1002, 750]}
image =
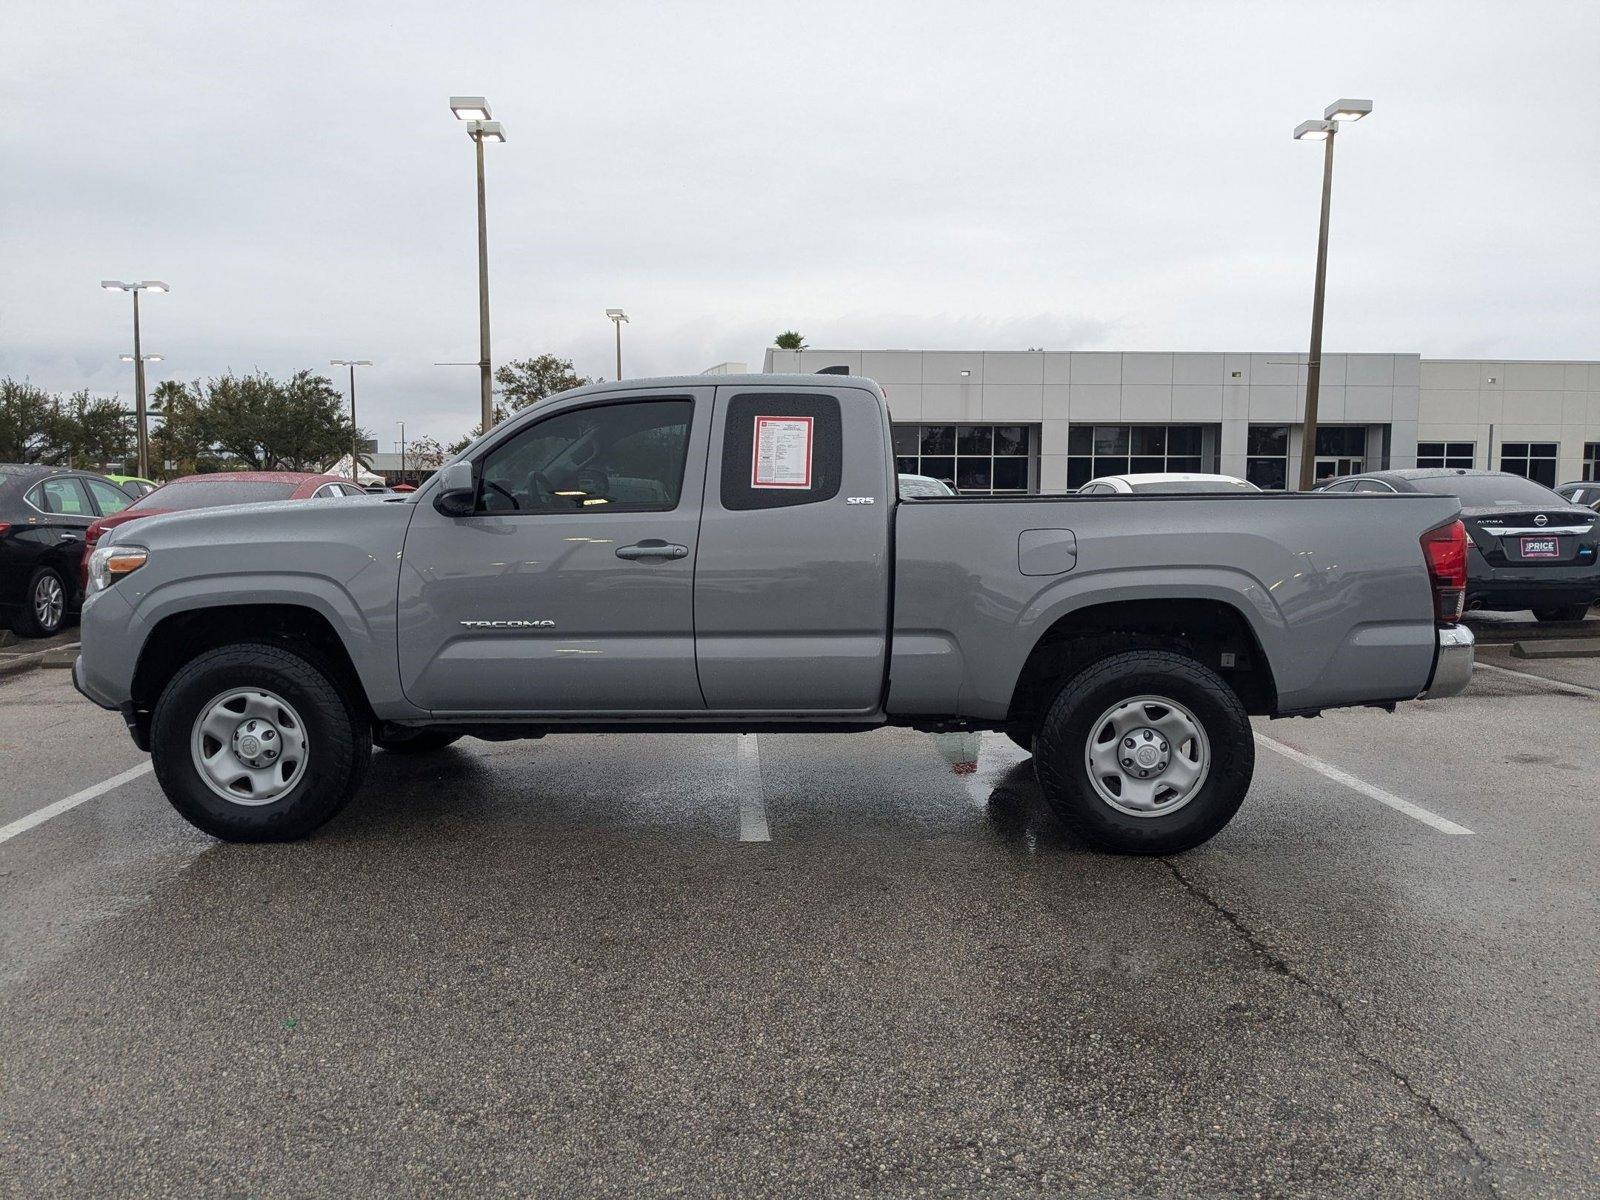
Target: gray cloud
{"type": "Point", "coordinates": [900, 174]}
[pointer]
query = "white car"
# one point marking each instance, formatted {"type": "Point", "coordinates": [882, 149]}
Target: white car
{"type": "Point", "coordinates": [923, 487]}
{"type": "Point", "coordinates": [1164, 481]}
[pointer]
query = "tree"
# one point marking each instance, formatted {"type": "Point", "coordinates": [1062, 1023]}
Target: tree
{"type": "Point", "coordinates": [180, 441]}
{"type": "Point", "coordinates": [789, 340]}
{"type": "Point", "coordinates": [425, 453]}
{"type": "Point", "coordinates": [28, 422]}
{"type": "Point", "coordinates": [258, 422]}
{"type": "Point", "coordinates": [94, 433]}
{"type": "Point", "coordinates": [268, 424]}
{"type": "Point", "coordinates": [527, 381]}
{"type": "Point", "coordinates": [78, 430]}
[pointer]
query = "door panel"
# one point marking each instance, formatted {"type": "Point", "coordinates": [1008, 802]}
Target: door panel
{"type": "Point", "coordinates": [527, 606]}
{"type": "Point", "coordinates": [792, 584]}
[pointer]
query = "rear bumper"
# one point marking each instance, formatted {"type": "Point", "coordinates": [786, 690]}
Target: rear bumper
{"type": "Point", "coordinates": [1513, 587]}
{"type": "Point", "coordinates": [1452, 668]}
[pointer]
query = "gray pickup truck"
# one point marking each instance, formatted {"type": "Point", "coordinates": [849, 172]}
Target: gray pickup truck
{"type": "Point", "coordinates": [729, 555]}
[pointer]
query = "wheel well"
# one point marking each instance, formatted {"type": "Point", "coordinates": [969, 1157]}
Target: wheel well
{"type": "Point", "coordinates": [178, 639]}
{"type": "Point", "coordinates": [1207, 630]}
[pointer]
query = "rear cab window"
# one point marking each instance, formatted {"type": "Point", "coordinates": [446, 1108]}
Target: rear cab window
{"type": "Point", "coordinates": [780, 450]}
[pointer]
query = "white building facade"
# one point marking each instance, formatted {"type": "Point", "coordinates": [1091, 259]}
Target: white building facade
{"type": "Point", "coordinates": [1008, 422]}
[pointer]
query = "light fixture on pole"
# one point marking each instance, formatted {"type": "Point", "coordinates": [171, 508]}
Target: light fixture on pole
{"type": "Point", "coordinates": [138, 359]}
{"type": "Point", "coordinates": [617, 318]}
{"type": "Point", "coordinates": [355, 431]}
{"type": "Point", "coordinates": [474, 110]}
{"type": "Point", "coordinates": [1321, 131]}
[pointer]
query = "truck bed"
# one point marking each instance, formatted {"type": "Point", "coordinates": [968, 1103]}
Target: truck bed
{"type": "Point", "coordinates": [1333, 588]}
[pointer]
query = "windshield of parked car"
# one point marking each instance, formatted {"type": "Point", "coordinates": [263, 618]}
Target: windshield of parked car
{"type": "Point", "coordinates": [213, 493]}
{"type": "Point", "coordinates": [1483, 491]}
{"type": "Point", "coordinates": [1198, 485]}
{"type": "Point", "coordinates": [914, 487]}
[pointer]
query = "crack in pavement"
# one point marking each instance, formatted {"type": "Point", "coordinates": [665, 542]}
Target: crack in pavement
{"type": "Point", "coordinates": [1481, 1162]}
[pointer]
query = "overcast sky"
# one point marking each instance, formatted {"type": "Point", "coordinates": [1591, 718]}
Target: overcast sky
{"type": "Point", "coordinates": [967, 176]}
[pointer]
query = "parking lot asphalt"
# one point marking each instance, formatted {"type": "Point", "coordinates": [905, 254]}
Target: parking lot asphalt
{"type": "Point", "coordinates": [554, 967]}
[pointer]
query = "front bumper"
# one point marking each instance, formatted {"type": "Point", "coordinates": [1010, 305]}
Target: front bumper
{"type": "Point", "coordinates": [1452, 667]}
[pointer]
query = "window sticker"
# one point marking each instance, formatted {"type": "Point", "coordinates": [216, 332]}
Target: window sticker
{"type": "Point", "coordinates": [781, 457]}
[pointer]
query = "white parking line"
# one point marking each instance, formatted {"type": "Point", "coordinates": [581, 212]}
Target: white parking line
{"type": "Point", "coordinates": [41, 815]}
{"type": "Point", "coordinates": [752, 804]}
{"type": "Point", "coordinates": [1415, 811]}
{"type": "Point", "coordinates": [1575, 689]}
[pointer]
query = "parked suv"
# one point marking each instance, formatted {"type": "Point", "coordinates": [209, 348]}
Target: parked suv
{"type": "Point", "coordinates": [45, 513]}
{"type": "Point", "coordinates": [1530, 547]}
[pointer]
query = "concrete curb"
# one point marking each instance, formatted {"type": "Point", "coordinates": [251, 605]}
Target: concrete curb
{"type": "Point", "coordinates": [1558, 648]}
{"type": "Point", "coordinates": [53, 656]}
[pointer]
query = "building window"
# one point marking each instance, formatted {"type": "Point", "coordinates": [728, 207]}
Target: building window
{"type": "Point", "coordinates": [1591, 461]}
{"type": "Point", "coordinates": [1095, 450]}
{"type": "Point", "coordinates": [1341, 450]}
{"type": "Point", "coordinates": [976, 460]}
{"type": "Point", "coordinates": [1532, 460]}
{"type": "Point", "coordinates": [1447, 454]}
{"type": "Point", "coordinates": [1267, 461]}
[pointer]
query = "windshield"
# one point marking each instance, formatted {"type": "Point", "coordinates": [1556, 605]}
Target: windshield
{"type": "Point", "coordinates": [1197, 485]}
{"type": "Point", "coordinates": [914, 487]}
{"type": "Point", "coordinates": [214, 493]}
{"type": "Point", "coordinates": [1482, 491]}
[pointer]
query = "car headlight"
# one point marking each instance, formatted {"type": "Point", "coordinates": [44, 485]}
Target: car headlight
{"type": "Point", "coordinates": [107, 564]}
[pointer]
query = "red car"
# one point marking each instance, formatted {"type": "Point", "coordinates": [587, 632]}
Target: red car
{"type": "Point", "coordinates": [218, 490]}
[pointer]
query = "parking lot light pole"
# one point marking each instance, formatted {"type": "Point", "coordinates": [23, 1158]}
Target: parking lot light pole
{"type": "Point", "coordinates": [474, 110]}
{"type": "Point", "coordinates": [1321, 131]}
{"type": "Point", "coordinates": [138, 359]}
{"type": "Point", "coordinates": [617, 318]}
{"type": "Point", "coordinates": [355, 430]}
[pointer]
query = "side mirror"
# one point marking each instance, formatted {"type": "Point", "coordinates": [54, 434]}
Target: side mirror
{"type": "Point", "coordinates": [458, 490]}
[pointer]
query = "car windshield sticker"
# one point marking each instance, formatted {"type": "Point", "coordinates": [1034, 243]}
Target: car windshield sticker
{"type": "Point", "coordinates": [782, 454]}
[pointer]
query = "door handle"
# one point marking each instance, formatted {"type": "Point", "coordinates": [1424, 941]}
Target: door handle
{"type": "Point", "coordinates": [652, 548]}
{"type": "Point", "coordinates": [71, 537]}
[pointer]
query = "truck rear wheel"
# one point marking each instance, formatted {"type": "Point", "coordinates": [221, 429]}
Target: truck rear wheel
{"type": "Point", "coordinates": [1145, 752]}
{"type": "Point", "coordinates": [255, 743]}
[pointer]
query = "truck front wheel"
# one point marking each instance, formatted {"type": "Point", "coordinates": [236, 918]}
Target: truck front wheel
{"type": "Point", "coordinates": [1145, 752]}
{"type": "Point", "coordinates": [255, 743]}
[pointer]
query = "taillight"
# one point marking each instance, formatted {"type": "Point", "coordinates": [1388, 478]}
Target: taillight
{"type": "Point", "coordinates": [1445, 551]}
{"type": "Point", "coordinates": [5, 528]}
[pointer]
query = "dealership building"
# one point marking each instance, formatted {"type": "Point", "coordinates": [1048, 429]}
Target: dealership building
{"type": "Point", "coordinates": [1007, 422]}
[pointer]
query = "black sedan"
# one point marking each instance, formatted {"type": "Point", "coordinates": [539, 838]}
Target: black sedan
{"type": "Point", "coordinates": [1531, 548]}
{"type": "Point", "coordinates": [44, 513]}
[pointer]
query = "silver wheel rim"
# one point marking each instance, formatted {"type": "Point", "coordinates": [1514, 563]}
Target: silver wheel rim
{"type": "Point", "coordinates": [49, 601]}
{"type": "Point", "coordinates": [249, 746]}
{"type": "Point", "coordinates": [1147, 756]}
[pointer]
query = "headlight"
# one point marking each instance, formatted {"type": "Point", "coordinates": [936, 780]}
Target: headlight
{"type": "Point", "coordinates": [107, 564]}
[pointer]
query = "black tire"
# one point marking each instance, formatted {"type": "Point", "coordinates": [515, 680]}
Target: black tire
{"type": "Point", "coordinates": [1062, 739]}
{"type": "Point", "coordinates": [338, 737]}
{"type": "Point", "coordinates": [1567, 612]}
{"type": "Point", "coordinates": [26, 621]}
{"type": "Point", "coordinates": [420, 741]}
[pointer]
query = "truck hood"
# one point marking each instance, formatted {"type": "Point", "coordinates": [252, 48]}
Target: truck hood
{"type": "Point", "coordinates": [271, 523]}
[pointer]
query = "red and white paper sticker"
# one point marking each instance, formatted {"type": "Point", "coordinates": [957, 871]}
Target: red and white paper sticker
{"type": "Point", "coordinates": [781, 457]}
